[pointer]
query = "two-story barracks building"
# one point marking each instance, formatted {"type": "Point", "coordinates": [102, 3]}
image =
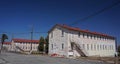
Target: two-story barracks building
{"type": "Point", "coordinates": [68, 41]}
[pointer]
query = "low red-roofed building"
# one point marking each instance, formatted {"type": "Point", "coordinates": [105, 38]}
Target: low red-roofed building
{"type": "Point", "coordinates": [7, 46]}
{"type": "Point", "coordinates": [69, 41]}
{"type": "Point", "coordinates": [24, 45]}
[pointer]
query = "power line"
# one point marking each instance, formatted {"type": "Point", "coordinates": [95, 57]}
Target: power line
{"type": "Point", "coordinates": [13, 34]}
{"type": "Point", "coordinates": [94, 14]}
{"type": "Point", "coordinates": [40, 32]}
{"type": "Point", "coordinates": [23, 33]}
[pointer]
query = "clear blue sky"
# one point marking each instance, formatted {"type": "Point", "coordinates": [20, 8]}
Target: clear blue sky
{"type": "Point", "coordinates": [17, 16]}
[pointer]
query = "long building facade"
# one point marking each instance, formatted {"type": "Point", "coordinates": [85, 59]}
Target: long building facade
{"type": "Point", "coordinates": [69, 41]}
{"type": "Point", "coordinates": [7, 46]}
{"type": "Point", "coordinates": [24, 45]}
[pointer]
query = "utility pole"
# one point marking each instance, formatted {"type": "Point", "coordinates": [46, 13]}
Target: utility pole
{"type": "Point", "coordinates": [12, 35]}
{"type": "Point", "coordinates": [31, 36]}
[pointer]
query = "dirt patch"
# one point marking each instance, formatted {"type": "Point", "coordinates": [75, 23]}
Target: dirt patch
{"type": "Point", "coordinates": [111, 60]}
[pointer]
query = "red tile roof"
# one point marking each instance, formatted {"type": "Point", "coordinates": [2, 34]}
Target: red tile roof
{"type": "Point", "coordinates": [7, 43]}
{"type": "Point", "coordinates": [25, 40]}
{"type": "Point", "coordinates": [78, 29]}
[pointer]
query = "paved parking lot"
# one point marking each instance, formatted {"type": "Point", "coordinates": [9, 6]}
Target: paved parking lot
{"type": "Point", "coordinates": [12, 58]}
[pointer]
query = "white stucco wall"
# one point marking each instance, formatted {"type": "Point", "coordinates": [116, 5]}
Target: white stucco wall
{"type": "Point", "coordinates": [8, 46]}
{"type": "Point", "coordinates": [84, 42]}
{"type": "Point", "coordinates": [24, 46]}
{"type": "Point", "coordinates": [108, 44]}
{"type": "Point", "coordinates": [57, 40]}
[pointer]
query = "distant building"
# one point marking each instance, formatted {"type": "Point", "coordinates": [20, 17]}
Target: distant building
{"type": "Point", "coordinates": [7, 46]}
{"type": "Point", "coordinates": [69, 41]}
{"type": "Point", "coordinates": [24, 45]}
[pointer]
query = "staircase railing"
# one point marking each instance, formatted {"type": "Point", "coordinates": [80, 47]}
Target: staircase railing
{"type": "Point", "coordinates": [19, 48]}
{"type": "Point", "coordinates": [79, 50]}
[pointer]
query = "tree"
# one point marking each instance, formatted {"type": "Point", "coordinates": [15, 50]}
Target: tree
{"type": "Point", "coordinates": [47, 45]}
{"type": "Point", "coordinates": [41, 44]}
{"type": "Point", "coordinates": [4, 36]}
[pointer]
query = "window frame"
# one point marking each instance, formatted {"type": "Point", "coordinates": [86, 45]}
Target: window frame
{"type": "Point", "coordinates": [62, 46]}
{"type": "Point", "coordinates": [62, 33]}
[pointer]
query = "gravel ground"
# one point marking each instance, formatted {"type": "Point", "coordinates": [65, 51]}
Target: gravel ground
{"type": "Point", "coordinates": [12, 58]}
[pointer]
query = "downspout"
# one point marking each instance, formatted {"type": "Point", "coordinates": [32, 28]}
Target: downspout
{"type": "Point", "coordinates": [116, 47]}
{"type": "Point", "coordinates": [67, 44]}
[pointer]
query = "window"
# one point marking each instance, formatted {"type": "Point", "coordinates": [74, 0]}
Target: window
{"type": "Point", "coordinates": [97, 47]}
{"type": "Point", "coordinates": [34, 47]}
{"type": "Point", "coordinates": [111, 47]}
{"type": "Point", "coordinates": [83, 46]}
{"type": "Point", "coordinates": [97, 37]}
{"type": "Point", "coordinates": [83, 35]}
{"type": "Point", "coordinates": [72, 45]}
{"type": "Point", "coordinates": [30, 47]}
{"type": "Point", "coordinates": [87, 46]}
{"type": "Point", "coordinates": [62, 46]}
{"type": "Point", "coordinates": [52, 46]}
{"type": "Point", "coordinates": [103, 47]}
{"type": "Point", "coordinates": [79, 34]}
{"type": "Point", "coordinates": [23, 47]}
{"type": "Point", "coordinates": [105, 38]}
{"type": "Point", "coordinates": [91, 47]}
{"type": "Point", "coordinates": [94, 47]}
{"type": "Point", "coordinates": [91, 36]}
{"type": "Point", "coordinates": [87, 36]}
{"type": "Point", "coordinates": [108, 47]}
{"type": "Point", "coordinates": [94, 36]}
{"type": "Point", "coordinates": [100, 47]}
{"type": "Point", "coordinates": [26, 47]}
{"type": "Point", "coordinates": [100, 38]}
{"type": "Point", "coordinates": [62, 33]}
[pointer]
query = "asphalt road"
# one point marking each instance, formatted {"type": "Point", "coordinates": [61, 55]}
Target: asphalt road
{"type": "Point", "coordinates": [12, 58]}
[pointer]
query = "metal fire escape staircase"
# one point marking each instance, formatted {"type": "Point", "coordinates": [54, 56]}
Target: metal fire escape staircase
{"type": "Point", "coordinates": [78, 49]}
{"type": "Point", "coordinates": [17, 47]}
